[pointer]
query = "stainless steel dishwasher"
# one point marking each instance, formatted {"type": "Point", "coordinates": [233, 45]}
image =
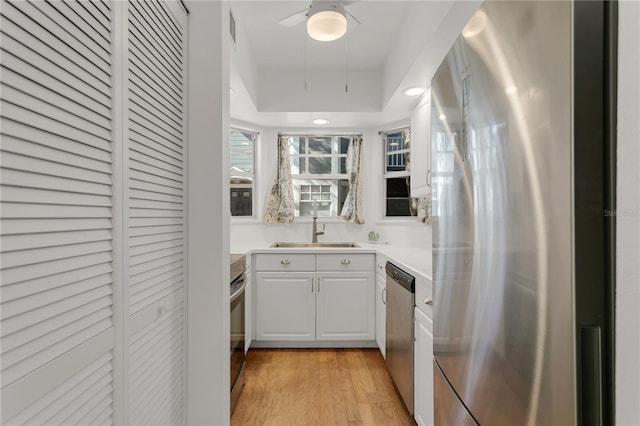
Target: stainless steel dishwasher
{"type": "Point", "coordinates": [401, 292]}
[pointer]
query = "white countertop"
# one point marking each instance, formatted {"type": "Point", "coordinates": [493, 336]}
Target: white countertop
{"type": "Point", "coordinates": [415, 261]}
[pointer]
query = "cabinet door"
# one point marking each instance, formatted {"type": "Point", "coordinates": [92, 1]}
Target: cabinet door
{"type": "Point", "coordinates": [248, 313]}
{"type": "Point", "coordinates": [423, 371]}
{"type": "Point", "coordinates": [285, 305]}
{"type": "Point", "coordinates": [381, 313]}
{"type": "Point", "coordinates": [421, 147]}
{"type": "Point", "coordinates": [345, 306]}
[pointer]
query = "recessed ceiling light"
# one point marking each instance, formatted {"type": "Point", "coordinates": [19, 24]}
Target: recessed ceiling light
{"type": "Point", "coordinates": [442, 117]}
{"type": "Point", "coordinates": [231, 91]}
{"type": "Point", "coordinates": [414, 91]}
{"type": "Point", "coordinates": [320, 121]}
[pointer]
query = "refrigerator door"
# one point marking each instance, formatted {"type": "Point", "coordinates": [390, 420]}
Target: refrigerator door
{"type": "Point", "coordinates": [502, 215]}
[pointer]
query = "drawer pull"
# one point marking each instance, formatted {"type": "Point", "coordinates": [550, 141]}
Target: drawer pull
{"type": "Point", "coordinates": [428, 300]}
{"type": "Point", "coordinates": [345, 261]}
{"type": "Point", "coordinates": [285, 261]}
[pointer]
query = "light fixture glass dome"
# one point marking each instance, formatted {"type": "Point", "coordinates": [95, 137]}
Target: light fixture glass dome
{"type": "Point", "coordinates": [327, 25]}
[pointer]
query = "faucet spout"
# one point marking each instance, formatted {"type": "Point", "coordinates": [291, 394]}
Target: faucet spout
{"type": "Point", "coordinates": [314, 229]}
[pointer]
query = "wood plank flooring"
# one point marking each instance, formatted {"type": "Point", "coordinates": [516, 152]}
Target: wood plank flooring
{"type": "Point", "coordinates": [318, 387]}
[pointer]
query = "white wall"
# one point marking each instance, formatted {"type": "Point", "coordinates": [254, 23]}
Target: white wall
{"type": "Point", "coordinates": [208, 212]}
{"type": "Point", "coordinates": [246, 234]}
{"type": "Point", "coordinates": [628, 218]}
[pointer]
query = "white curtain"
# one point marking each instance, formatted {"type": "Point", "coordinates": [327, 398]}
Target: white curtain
{"type": "Point", "coordinates": [352, 208]}
{"type": "Point", "coordinates": [280, 208]}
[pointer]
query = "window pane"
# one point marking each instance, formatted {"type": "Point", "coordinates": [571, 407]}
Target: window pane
{"type": "Point", "coordinates": [395, 142]}
{"type": "Point", "coordinates": [329, 194]}
{"type": "Point", "coordinates": [343, 165]}
{"type": "Point", "coordinates": [241, 151]}
{"type": "Point", "coordinates": [397, 207]}
{"type": "Point", "coordinates": [241, 193]}
{"type": "Point", "coordinates": [318, 166]}
{"type": "Point", "coordinates": [344, 145]}
{"type": "Point", "coordinates": [398, 202]}
{"type": "Point", "coordinates": [297, 165]}
{"type": "Point", "coordinates": [396, 162]}
{"type": "Point", "coordinates": [319, 145]}
{"type": "Point", "coordinates": [296, 145]}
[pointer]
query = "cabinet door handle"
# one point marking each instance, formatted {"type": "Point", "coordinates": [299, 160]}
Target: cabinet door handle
{"type": "Point", "coordinates": [379, 265]}
{"type": "Point", "coordinates": [345, 261]}
{"type": "Point", "coordinates": [429, 178]}
{"type": "Point", "coordinates": [428, 300]}
{"type": "Point", "coordinates": [318, 284]}
{"type": "Point", "coordinates": [312, 283]}
{"type": "Point", "coordinates": [285, 261]}
{"type": "Point", "coordinates": [384, 293]}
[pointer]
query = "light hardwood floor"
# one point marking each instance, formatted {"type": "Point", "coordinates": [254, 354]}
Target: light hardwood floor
{"type": "Point", "coordinates": [318, 387]}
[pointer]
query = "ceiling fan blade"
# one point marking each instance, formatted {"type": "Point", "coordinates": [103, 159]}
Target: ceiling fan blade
{"type": "Point", "coordinates": [295, 19]}
{"type": "Point", "coordinates": [347, 2]}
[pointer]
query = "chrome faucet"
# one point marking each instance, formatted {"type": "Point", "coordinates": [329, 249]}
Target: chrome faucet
{"type": "Point", "coordinates": [314, 230]}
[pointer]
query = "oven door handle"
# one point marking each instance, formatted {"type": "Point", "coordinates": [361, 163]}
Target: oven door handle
{"type": "Point", "coordinates": [238, 292]}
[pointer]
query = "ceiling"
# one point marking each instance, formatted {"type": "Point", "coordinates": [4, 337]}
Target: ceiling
{"type": "Point", "coordinates": [398, 44]}
{"type": "Point", "coordinates": [277, 46]}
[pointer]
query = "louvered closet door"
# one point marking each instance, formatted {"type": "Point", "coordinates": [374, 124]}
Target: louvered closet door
{"type": "Point", "coordinates": [156, 212]}
{"type": "Point", "coordinates": [57, 336]}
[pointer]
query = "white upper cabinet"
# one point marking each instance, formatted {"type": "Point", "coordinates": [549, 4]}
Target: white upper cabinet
{"type": "Point", "coordinates": [421, 147]}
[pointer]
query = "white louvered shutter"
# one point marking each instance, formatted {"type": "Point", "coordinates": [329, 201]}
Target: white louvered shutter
{"type": "Point", "coordinates": [57, 337]}
{"type": "Point", "coordinates": [156, 212]}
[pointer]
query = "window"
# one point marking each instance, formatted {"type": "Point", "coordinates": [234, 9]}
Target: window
{"type": "Point", "coordinates": [242, 172]}
{"type": "Point", "coordinates": [396, 175]}
{"type": "Point", "coordinates": [319, 173]}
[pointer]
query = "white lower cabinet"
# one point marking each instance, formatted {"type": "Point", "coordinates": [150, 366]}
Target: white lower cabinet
{"type": "Point", "coordinates": [333, 302]}
{"type": "Point", "coordinates": [345, 306]}
{"type": "Point", "coordinates": [285, 306]}
{"type": "Point", "coordinates": [423, 369]}
{"type": "Point", "coordinates": [381, 313]}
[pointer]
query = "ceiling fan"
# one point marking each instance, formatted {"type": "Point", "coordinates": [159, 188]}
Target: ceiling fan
{"type": "Point", "coordinates": [327, 20]}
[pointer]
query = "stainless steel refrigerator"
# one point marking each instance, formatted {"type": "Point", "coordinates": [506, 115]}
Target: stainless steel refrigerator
{"type": "Point", "coordinates": [522, 143]}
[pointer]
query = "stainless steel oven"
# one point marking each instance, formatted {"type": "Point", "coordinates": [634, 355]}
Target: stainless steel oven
{"type": "Point", "coordinates": [237, 319]}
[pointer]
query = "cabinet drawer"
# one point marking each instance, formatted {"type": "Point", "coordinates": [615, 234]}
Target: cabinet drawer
{"type": "Point", "coordinates": [345, 262]}
{"type": "Point", "coordinates": [423, 295]}
{"type": "Point", "coordinates": [381, 262]}
{"type": "Point", "coordinates": [285, 262]}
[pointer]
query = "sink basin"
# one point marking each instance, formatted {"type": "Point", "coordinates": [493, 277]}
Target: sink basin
{"type": "Point", "coordinates": [287, 244]}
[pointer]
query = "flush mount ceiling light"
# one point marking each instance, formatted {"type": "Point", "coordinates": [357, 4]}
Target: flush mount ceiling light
{"type": "Point", "coordinates": [326, 25]}
{"type": "Point", "coordinates": [320, 121]}
{"type": "Point", "coordinates": [326, 19]}
{"type": "Point", "coordinates": [414, 91]}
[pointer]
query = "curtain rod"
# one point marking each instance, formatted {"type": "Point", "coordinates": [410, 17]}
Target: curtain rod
{"type": "Point", "coordinates": [394, 130]}
{"type": "Point", "coordinates": [318, 135]}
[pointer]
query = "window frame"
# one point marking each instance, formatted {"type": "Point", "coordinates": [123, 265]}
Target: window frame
{"type": "Point", "coordinates": [318, 179]}
{"type": "Point", "coordinates": [393, 174]}
{"type": "Point", "coordinates": [244, 174]}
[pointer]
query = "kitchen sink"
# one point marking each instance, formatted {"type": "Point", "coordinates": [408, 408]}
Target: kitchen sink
{"type": "Point", "coordinates": [287, 244]}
